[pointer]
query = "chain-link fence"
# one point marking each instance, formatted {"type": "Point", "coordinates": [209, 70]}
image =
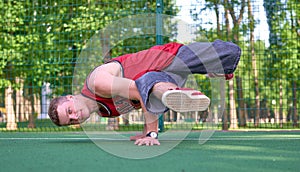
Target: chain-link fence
{"type": "Point", "coordinates": [41, 42]}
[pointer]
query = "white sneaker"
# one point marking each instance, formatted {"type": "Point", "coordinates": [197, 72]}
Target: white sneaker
{"type": "Point", "coordinates": [185, 100]}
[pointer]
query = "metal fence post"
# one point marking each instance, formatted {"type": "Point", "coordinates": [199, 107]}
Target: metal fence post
{"type": "Point", "coordinates": [159, 41]}
{"type": "Point", "coordinates": [159, 24]}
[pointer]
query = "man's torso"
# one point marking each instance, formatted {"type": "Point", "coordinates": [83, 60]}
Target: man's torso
{"type": "Point", "coordinates": [133, 66]}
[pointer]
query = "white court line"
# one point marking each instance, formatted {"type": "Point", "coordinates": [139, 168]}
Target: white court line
{"type": "Point", "coordinates": [161, 139]}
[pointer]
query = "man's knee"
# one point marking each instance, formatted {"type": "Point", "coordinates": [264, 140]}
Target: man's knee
{"type": "Point", "coordinates": [161, 87]}
{"type": "Point", "coordinates": [229, 54]}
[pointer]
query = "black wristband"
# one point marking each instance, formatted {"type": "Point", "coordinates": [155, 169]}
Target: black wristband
{"type": "Point", "coordinates": [152, 134]}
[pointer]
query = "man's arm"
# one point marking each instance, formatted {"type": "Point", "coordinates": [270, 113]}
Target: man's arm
{"type": "Point", "coordinates": [151, 125]}
{"type": "Point", "coordinates": [106, 81]}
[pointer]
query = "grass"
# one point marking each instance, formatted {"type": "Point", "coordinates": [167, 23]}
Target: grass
{"type": "Point", "coordinates": [45, 125]}
{"type": "Point", "coordinates": [223, 152]}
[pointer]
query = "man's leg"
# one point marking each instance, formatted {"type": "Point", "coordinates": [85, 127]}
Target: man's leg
{"type": "Point", "coordinates": [159, 92]}
{"type": "Point", "coordinates": [152, 87]}
{"type": "Point", "coordinates": [151, 99]}
{"type": "Point", "coordinates": [206, 57]}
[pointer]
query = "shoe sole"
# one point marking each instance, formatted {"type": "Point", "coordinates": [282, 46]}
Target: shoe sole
{"type": "Point", "coordinates": [184, 101]}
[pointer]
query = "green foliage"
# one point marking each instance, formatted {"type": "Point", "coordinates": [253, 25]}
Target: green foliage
{"type": "Point", "coordinates": [283, 53]}
{"type": "Point", "coordinates": [277, 63]}
{"type": "Point", "coordinates": [41, 40]}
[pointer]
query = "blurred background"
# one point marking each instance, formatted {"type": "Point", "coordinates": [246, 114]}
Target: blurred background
{"type": "Point", "coordinates": [41, 42]}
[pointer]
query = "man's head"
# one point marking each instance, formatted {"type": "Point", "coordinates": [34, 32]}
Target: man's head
{"type": "Point", "coordinates": [62, 111]}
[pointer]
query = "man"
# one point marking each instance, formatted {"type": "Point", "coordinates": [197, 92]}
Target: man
{"type": "Point", "coordinates": [150, 79]}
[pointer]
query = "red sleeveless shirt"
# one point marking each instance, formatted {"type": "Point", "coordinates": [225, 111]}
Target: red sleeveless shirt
{"type": "Point", "coordinates": [134, 66]}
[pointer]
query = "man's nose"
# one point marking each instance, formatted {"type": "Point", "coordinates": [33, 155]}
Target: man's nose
{"type": "Point", "coordinates": [73, 116]}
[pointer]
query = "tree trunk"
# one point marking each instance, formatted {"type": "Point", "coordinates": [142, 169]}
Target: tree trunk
{"type": "Point", "coordinates": [32, 113]}
{"type": "Point", "coordinates": [225, 115]}
{"type": "Point", "coordinates": [19, 106]}
{"type": "Point", "coordinates": [225, 119]}
{"type": "Point", "coordinates": [229, 9]}
{"type": "Point", "coordinates": [295, 111]}
{"type": "Point", "coordinates": [233, 116]}
{"type": "Point", "coordinates": [216, 9]}
{"type": "Point", "coordinates": [20, 101]}
{"type": "Point", "coordinates": [11, 118]}
{"type": "Point", "coordinates": [280, 104]}
{"type": "Point", "coordinates": [254, 66]}
{"type": "Point", "coordinates": [228, 29]}
{"type": "Point", "coordinates": [241, 103]}
{"type": "Point", "coordinates": [223, 104]}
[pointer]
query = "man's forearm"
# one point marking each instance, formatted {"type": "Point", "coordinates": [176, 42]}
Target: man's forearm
{"type": "Point", "coordinates": [151, 122]}
{"type": "Point", "coordinates": [106, 85]}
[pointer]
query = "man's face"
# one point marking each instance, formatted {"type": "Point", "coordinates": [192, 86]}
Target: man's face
{"type": "Point", "coordinates": [68, 114]}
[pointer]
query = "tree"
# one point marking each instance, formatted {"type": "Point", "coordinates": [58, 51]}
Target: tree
{"type": "Point", "coordinates": [283, 38]}
{"type": "Point", "coordinates": [254, 64]}
{"type": "Point", "coordinates": [41, 41]}
{"type": "Point", "coordinates": [232, 34]}
{"type": "Point", "coordinates": [237, 18]}
{"type": "Point", "coordinates": [12, 52]}
{"type": "Point", "coordinates": [294, 8]}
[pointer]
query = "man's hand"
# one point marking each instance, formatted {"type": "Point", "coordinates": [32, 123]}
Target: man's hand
{"type": "Point", "coordinates": [148, 141]}
{"type": "Point", "coordinates": [151, 125]}
{"type": "Point", "coordinates": [137, 136]}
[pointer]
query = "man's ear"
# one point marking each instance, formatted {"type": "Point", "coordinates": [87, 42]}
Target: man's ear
{"type": "Point", "coordinates": [70, 97]}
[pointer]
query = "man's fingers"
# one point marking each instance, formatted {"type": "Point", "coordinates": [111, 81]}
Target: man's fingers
{"type": "Point", "coordinates": [136, 137]}
{"type": "Point", "coordinates": [156, 142]}
{"type": "Point", "coordinates": [147, 141]}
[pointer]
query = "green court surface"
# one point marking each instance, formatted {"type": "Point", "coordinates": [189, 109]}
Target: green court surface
{"type": "Point", "coordinates": [277, 151]}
